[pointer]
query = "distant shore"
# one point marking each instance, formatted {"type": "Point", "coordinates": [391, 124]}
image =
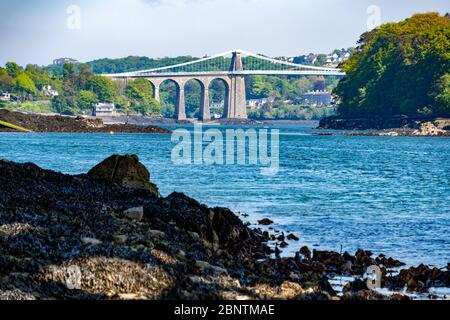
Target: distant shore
{"type": "Point", "coordinates": [399, 125]}
{"type": "Point", "coordinates": [57, 123]}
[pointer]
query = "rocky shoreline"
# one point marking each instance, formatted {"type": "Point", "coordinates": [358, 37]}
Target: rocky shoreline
{"type": "Point", "coordinates": [109, 234]}
{"type": "Point", "coordinates": [56, 123]}
{"type": "Point", "coordinates": [400, 125]}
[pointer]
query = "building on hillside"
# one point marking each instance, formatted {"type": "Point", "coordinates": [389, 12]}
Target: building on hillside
{"type": "Point", "coordinates": [5, 96]}
{"type": "Point", "coordinates": [61, 61]}
{"type": "Point", "coordinates": [258, 103]}
{"type": "Point", "coordinates": [217, 105]}
{"type": "Point", "coordinates": [49, 91]}
{"type": "Point", "coordinates": [316, 98]}
{"type": "Point", "coordinates": [104, 109]}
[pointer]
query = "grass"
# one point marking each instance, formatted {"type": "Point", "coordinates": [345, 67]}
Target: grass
{"type": "Point", "coordinates": [40, 106]}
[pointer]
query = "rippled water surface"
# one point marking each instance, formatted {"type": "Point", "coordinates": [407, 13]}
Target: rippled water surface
{"type": "Point", "coordinates": [387, 194]}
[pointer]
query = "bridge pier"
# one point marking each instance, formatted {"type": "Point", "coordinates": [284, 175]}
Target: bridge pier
{"type": "Point", "coordinates": [238, 103]}
{"type": "Point", "coordinates": [180, 107]}
{"type": "Point", "coordinates": [237, 107]}
{"type": "Point", "coordinates": [156, 93]}
{"type": "Point", "coordinates": [205, 114]}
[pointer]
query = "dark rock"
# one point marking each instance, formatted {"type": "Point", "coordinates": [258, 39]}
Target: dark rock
{"type": "Point", "coordinates": [265, 222]}
{"type": "Point", "coordinates": [218, 226]}
{"type": "Point", "coordinates": [136, 213]}
{"type": "Point", "coordinates": [305, 252]}
{"type": "Point", "coordinates": [283, 244]}
{"type": "Point", "coordinates": [364, 258]}
{"type": "Point", "coordinates": [355, 286]}
{"type": "Point", "coordinates": [126, 171]}
{"type": "Point", "coordinates": [399, 297]}
{"type": "Point", "coordinates": [328, 257]}
{"type": "Point", "coordinates": [292, 236]}
{"type": "Point", "coordinates": [388, 262]}
{"type": "Point", "coordinates": [363, 295]}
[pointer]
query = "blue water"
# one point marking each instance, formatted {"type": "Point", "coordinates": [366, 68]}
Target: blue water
{"type": "Point", "coordinates": [387, 194]}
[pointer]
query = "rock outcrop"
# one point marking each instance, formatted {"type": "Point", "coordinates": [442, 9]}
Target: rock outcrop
{"type": "Point", "coordinates": [64, 236]}
{"type": "Point", "coordinates": [432, 128]}
{"type": "Point", "coordinates": [126, 171]}
{"type": "Point", "coordinates": [398, 125]}
{"type": "Point", "coordinates": [107, 235]}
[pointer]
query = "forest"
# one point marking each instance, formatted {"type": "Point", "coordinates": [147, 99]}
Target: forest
{"type": "Point", "coordinates": [399, 68]}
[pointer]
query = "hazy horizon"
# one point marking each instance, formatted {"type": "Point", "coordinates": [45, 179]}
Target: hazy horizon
{"type": "Point", "coordinates": [37, 32]}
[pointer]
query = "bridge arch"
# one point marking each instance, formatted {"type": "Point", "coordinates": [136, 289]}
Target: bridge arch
{"type": "Point", "coordinates": [219, 90]}
{"type": "Point", "coordinates": [155, 88]}
{"type": "Point", "coordinates": [172, 84]}
{"type": "Point", "coordinates": [204, 113]}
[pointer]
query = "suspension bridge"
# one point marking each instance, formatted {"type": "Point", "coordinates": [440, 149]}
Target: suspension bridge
{"type": "Point", "coordinates": [231, 68]}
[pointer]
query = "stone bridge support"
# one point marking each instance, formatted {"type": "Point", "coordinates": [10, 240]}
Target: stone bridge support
{"type": "Point", "coordinates": [238, 101]}
{"type": "Point", "coordinates": [235, 98]}
{"type": "Point", "coordinates": [234, 104]}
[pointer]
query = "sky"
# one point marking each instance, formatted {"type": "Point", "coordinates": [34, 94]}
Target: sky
{"type": "Point", "coordinates": [38, 31]}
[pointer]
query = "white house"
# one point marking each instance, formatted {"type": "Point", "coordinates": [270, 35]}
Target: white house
{"type": "Point", "coordinates": [258, 103]}
{"type": "Point", "coordinates": [104, 109]}
{"type": "Point", "coordinates": [5, 96]}
{"type": "Point", "coordinates": [49, 91]}
{"type": "Point", "coordinates": [317, 98]}
{"type": "Point", "coordinates": [217, 105]}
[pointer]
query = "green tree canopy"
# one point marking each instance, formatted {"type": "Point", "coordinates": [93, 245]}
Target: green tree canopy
{"type": "Point", "coordinates": [23, 84]}
{"type": "Point", "coordinates": [139, 92]}
{"type": "Point", "coordinates": [39, 76]}
{"type": "Point", "coordinates": [102, 87]}
{"type": "Point", "coordinates": [68, 70]}
{"type": "Point", "coordinates": [399, 68]}
{"type": "Point", "coordinates": [13, 69]}
{"type": "Point", "coordinates": [86, 100]}
{"type": "Point", "coordinates": [5, 80]}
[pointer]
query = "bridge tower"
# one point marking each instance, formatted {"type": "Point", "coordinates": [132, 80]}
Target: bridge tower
{"type": "Point", "coordinates": [237, 102]}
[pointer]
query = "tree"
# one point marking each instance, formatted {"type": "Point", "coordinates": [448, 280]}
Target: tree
{"type": "Point", "coordinates": [321, 60]}
{"type": "Point", "coordinates": [13, 69]}
{"type": "Point", "coordinates": [258, 88]}
{"type": "Point", "coordinates": [442, 95]}
{"type": "Point", "coordinates": [68, 70]}
{"type": "Point", "coordinates": [399, 68]}
{"type": "Point", "coordinates": [23, 85]}
{"type": "Point", "coordinates": [5, 80]}
{"type": "Point", "coordinates": [82, 74]}
{"type": "Point", "coordinates": [64, 104]}
{"type": "Point", "coordinates": [139, 93]}
{"type": "Point", "coordinates": [39, 76]}
{"type": "Point", "coordinates": [102, 87]}
{"type": "Point", "coordinates": [86, 100]}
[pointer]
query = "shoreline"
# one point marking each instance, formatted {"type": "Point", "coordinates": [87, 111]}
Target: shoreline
{"type": "Point", "coordinates": [407, 127]}
{"type": "Point", "coordinates": [72, 124]}
{"type": "Point", "coordinates": [105, 218]}
{"type": "Point", "coordinates": [399, 125]}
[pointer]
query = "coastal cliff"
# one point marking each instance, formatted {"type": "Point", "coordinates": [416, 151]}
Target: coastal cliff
{"type": "Point", "coordinates": [109, 234]}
